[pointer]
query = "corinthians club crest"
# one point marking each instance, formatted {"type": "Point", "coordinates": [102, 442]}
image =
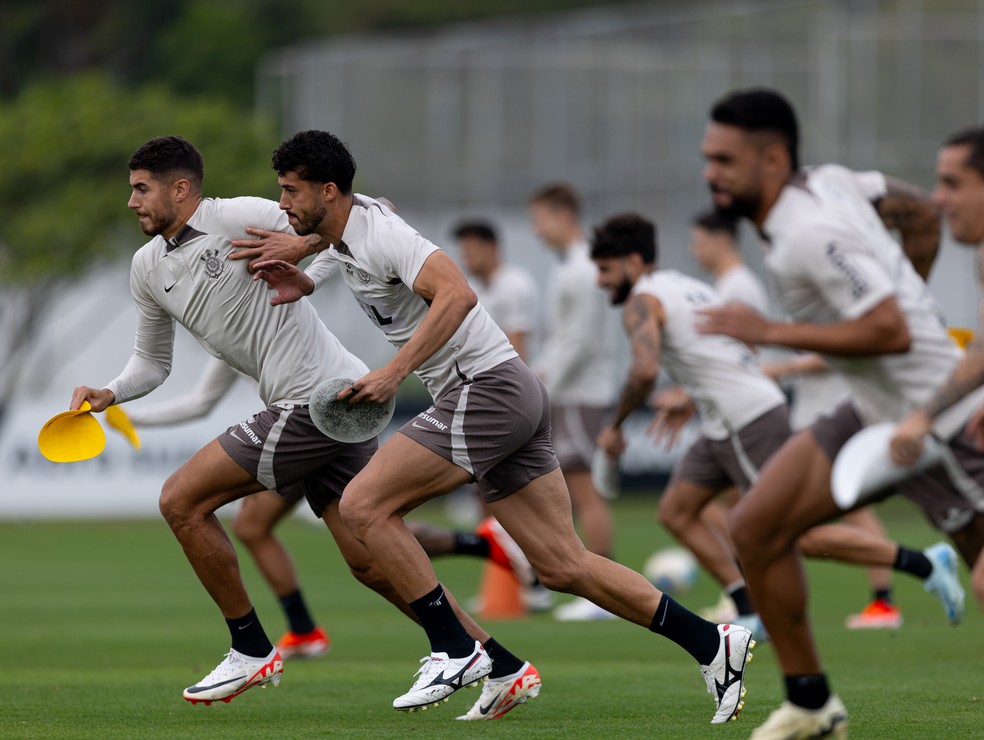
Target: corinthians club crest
{"type": "Point", "coordinates": [214, 265]}
{"type": "Point", "coordinates": [361, 275]}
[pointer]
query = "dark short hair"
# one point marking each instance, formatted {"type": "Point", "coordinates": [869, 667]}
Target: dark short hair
{"type": "Point", "coordinates": [316, 156]}
{"type": "Point", "coordinates": [625, 234]}
{"type": "Point", "coordinates": [170, 156]}
{"type": "Point", "coordinates": [481, 230]}
{"type": "Point", "coordinates": [558, 195]}
{"type": "Point", "coordinates": [974, 138]}
{"type": "Point", "coordinates": [715, 222]}
{"type": "Point", "coordinates": [760, 109]}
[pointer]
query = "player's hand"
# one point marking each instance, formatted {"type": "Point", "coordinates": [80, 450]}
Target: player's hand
{"type": "Point", "coordinates": [734, 320]}
{"type": "Point", "coordinates": [378, 386]}
{"type": "Point", "coordinates": [268, 245]}
{"type": "Point", "coordinates": [291, 283]}
{"type": "Point", "coordinates": [975, 428]}
{"type": "Point", "coordinates": [674, 408]}
{"type": "Point", "coordinates": [612, 441]}
{"type": "Point", "coordinates": [906, 444]}
{"type": "Point", "coordinates": [99, 399]}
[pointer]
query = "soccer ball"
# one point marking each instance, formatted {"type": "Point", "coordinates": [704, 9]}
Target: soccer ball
{"type": "Point", "coordinates": [672, 570]}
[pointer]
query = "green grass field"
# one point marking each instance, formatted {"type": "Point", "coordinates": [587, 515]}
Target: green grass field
{"type": "Point", "coordinates": [105, 623]}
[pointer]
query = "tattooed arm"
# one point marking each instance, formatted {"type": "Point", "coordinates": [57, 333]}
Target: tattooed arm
{"type": "Point", "coordinates": [642, 318]}
{"type": "Point", "coordinates": [908, 210]}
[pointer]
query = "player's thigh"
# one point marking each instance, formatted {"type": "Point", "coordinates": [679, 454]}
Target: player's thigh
{"type": "Point", "coordinates": [684, 499]}
{"type": "Point", "coordinates": [791, 495]}
{"type": "Point", "coordinates": [264, 509]}
{"type": "Point", "coordinates": [209, 479]}
{"type": "Point", "coordinates": [538, 517]}
{"type": "Point", "coordinates": [402, 475]}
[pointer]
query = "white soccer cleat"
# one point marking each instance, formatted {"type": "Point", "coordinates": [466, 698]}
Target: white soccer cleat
{"type": "Point", "coordinates": [725, 676]}
{"type": "Point", "coordinates": [500, 695]}
{"type": "Point", "coordinates": [441, 676]}
{"type": "Point", "coordinates": [234, 675]}
{"type": "Point", "coordinates": [753, 623]}
{"type": "Point", "coordinates": [943, 582]}
{"type": "Point", "coordinates": [790, 722]}
{"type": "Point", "coordinates": [581, 610]}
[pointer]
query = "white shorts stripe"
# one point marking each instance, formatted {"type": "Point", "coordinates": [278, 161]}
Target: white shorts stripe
{"type": "Point", "coordinates": [744, 461]}
{"type": "Point", "coordinates": [459, 446]}
{"type": "Point", "coordinates": [264, 469]}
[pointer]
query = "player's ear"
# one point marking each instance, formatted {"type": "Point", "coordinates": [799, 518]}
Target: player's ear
{"type": "Point", "coordinates": [181, 189]}
{"type": "Point", "coordinates": [329, 191]}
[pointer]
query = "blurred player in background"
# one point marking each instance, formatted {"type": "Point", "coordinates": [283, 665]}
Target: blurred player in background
{"type": "Point", "coordinates": [959, 193]}
{"type": "Point", "coordinates": [854, 298]}
{"type": "Point", "coordinates": [257, 517]}
{"type": "Point", "coordinates": [577, 366]}
{"type": "Point", "coordinates": [490, 424]}
{"type": "Point", "coordinates": [713, 243]}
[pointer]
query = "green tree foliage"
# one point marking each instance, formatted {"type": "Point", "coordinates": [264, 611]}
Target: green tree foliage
{"type": "Point", "coordinates": [64, 184]}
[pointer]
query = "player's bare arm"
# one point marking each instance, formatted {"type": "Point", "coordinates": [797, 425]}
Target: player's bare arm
{"type": "Point", "coordinates": [450, 299]}
{"type": "Point", "coordinates": [275, 245]}
{"type": "Point", "coordinates": [641, 318]}
{"type": "Point", "coordinates": [883, 330]}
{"type": "Point", "coordinates": [907, 442]}
{"type": "Point", "coordinates": [909, 211]}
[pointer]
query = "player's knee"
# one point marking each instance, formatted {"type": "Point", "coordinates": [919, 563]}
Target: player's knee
{"type": "Point", "coordinates": [559, 575]}
{"type": "Point", "coordinates": [354, 513]}
{"type": "Point", "coordinates": [673, 517]}
{"type": "Point", "coordinates": [171, 503]}
{"type": "Point", "coordinates": [246, 530]}
{"type": "Point", "coordinates": [809, 545]}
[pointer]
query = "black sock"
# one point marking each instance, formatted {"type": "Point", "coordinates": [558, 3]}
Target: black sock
{"type": "Point", "coordinates": [697, 636]}
{"type": "Point", "coordinates": [810, 691]}
{"type": "Point", "coordinates": [248, 636]}
{"type": "Point", "coordinates": [742, 601]}
{"type": "Point", "coordinates": [443, 629]}
{"type": "Point", "coordinates": [503, 662]}
{"type": "Point", "coordinates": [469, 543]}
{"type": "Point", "coordinates": [298, 617]}
{"type": "Point", "coordinates": [914, 562]}
{"type": "Point", "coordinates": [883, 594]}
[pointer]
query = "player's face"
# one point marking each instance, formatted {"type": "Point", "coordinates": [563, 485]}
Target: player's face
{"type": "Point", "coordinates": [732, 170]}
{"type": "Point", "coordinates": [550, 224]}
{"type": "Point", "coordinates": [703, 247]}
{"type": "Point", "coordinates": [615, 278]}
{"type": "Point", "coordinates": [959, 193]}
{"type": "Point", "coordinates": [477, 256]}
{"type": "Point", "coordinates": [303, 203]}
{"type": "Point", "coordinates": [153, 202]}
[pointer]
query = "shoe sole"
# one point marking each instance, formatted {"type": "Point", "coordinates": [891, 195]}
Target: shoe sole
{"type": "Point", "coordinates": [424, 707]}
{"type": "Point", "coordinates": [275, 680]}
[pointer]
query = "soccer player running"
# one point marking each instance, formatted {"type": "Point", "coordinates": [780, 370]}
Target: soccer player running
{"type": "Point", "coordinates": [577, 366]}
{"type": "Point", "coordinates": [854, 298]}
{"type": "Point", "coordinates": [959, 193]}
{"type": "Point", "coordinates": [490, 423]}
{"type": "Point", "coordinates": [183, 274]}
{"type": "Point", "coordinates": [257, 517]}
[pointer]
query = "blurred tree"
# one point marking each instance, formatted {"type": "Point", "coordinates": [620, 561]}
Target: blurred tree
{"type": "Point", "coordinates": [65, 148]}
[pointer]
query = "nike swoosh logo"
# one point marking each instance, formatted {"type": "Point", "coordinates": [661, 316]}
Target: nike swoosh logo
{"type": "Point", "coordinates": [214, 685]}
{"type": "Point", "coordinates": [415, 425]}
{"type": "Point", "coordinates": [168, 290]}
{"type": "Point", "coordinates": [236, 436]}
{"type": "Point", "coordinates": [486, 710]}
{"type": "Point", "coordinates": [244, 626]}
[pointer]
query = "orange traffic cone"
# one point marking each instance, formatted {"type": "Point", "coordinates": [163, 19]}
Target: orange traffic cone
{"type": "Point", "coordinates": [500, 596]}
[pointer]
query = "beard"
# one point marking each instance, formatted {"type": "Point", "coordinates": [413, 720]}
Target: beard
{"type": "Point", "coordinates": [309, 224]}
{"type": "Point", "coordinates": [621, 292]}
{"type": "Point", "coordinates": [158, 223]}
{"type": "Point", "coordinates": [739, 207]}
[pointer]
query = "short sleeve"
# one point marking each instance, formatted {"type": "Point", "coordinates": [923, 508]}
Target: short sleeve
{"type": "Point", "coordinates": [847, 274]}
{"type": "Point", "coordinates": [871, 183]}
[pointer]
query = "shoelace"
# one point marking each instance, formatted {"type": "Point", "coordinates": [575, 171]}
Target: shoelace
{"type": "Point", "coordinates": [225, 666]}
{"type": "Point", "coordinates": [425, 671]}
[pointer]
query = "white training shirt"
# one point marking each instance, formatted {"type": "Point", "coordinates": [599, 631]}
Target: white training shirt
{"type": "Point", "coordinates": [577, 361]}
{"type": "Point", "coordinates": [831, 259]}
{"type": "Point", "coordinates": [381, 257]}
{"type": "Point", "coordinates": [509, 296]}
{"type": "Point", "coordinates": [287, 349]}
{"type": "Point", "coordinates": [213, 384]}
{"type": "Point", "coordinates": [741, 285]}
{"type": "Point", "coordinates": [719, 373]}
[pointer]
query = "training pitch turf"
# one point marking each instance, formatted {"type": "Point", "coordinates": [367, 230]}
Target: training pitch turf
{"type": "Point", "coordinates": [104, 624]}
